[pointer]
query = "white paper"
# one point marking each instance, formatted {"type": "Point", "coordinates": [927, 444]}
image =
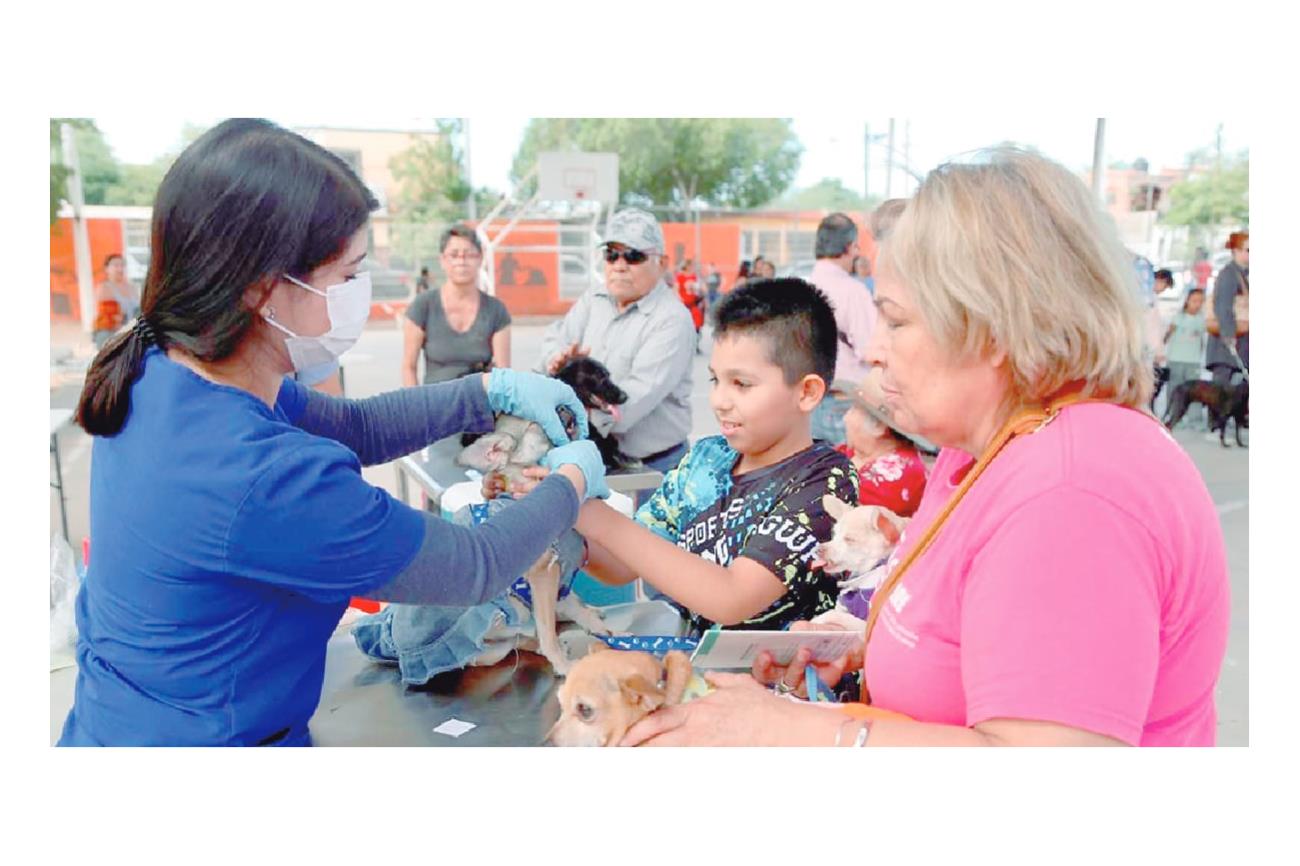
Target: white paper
{"type": "Point", "coordinates": [734, 650]}
{"type": "Point", "coordinates": [454, 728]}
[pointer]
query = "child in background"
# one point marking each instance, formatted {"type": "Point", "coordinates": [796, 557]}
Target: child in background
{"type": "Point", "coordinates": [889, 466]}
{"type": "Point", "coordinates": [731, 533]}
{"type": "Point", "coordinates": [1185, 343]}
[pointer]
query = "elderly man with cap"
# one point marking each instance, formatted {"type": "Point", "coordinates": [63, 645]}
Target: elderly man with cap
{"type": "Point", "coordinates": [635, 325]}
{"type": "Point", "coordinates": [886, 457]}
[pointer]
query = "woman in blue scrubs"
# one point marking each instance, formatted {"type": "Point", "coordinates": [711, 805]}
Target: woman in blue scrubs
{"type": "Point", "coordinates": [230, 517]}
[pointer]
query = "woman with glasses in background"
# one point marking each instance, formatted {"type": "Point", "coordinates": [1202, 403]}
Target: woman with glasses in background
{"type": "Point", "coordinates": [460, 328]}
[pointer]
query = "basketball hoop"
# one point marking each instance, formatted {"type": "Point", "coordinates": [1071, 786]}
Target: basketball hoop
{"type": "Point", "coordinates": [577, 177]}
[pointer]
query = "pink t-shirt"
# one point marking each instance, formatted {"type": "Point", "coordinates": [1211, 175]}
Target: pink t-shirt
{"type": "Point", "coordinates": [1081, 581]}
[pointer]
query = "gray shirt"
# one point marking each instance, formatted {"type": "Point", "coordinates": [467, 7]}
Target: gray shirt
{"type": "Point", "coordinates": [649, 349]}
{"type": "Point", "coordinates": [449, 354]}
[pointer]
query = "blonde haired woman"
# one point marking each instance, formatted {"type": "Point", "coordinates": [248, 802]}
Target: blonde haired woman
{"type": "Point", "coordinates": [1064, 580]}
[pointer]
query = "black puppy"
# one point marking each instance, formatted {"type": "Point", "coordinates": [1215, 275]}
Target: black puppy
{"type": "Point", "coordinates": [1222, 403]}
{"type": "Point", "coordinates": [591, 381]}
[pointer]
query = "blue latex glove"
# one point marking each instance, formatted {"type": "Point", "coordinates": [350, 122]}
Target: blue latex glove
{"type": "Point", "coordinates": [586, 456]}
{"type": "Point", "coordinates": [535, 398]}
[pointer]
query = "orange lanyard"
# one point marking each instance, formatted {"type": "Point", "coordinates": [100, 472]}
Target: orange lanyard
{"type": "Point", "coordinates": [1027, 421]}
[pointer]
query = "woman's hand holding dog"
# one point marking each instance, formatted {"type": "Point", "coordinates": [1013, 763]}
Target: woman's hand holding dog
{"type": "Point", "coordinates": [739, 712]}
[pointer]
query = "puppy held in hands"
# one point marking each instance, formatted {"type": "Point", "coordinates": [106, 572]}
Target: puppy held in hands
{"type": "Point", "coordinates": [609, 691]}
{"type": "Point", "coordinates": [502, 456]}
{"type": "Point", "coordinates": [859, 549]}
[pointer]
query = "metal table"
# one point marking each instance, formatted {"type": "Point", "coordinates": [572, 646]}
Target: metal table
{"type": "Point", "coordinates": [365, 703]}
{"type": "Point", "coordinates": [59, 418]}
{"type": "Point", "coordinates": [434, 470]}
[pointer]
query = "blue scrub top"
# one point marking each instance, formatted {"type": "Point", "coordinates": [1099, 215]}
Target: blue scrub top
{"type": "Point", "coordinates": [226, 544]}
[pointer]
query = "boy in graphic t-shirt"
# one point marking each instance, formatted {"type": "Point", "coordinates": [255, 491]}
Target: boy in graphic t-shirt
{"type": "Point", "coordinates": [730, 534]}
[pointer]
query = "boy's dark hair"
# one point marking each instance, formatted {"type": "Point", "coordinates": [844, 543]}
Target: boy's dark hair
{"type": "Point", "coordinates": [792, 316]}
{"type": "Point", "coordinates": [460, 230]}
{"type": "Point", "coordinates": [1166, 275]}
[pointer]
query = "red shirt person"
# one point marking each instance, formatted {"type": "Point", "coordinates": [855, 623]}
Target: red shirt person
{"type": "Point", "coordinates": [889, 466]}
{"type": "Point", "coordinates": [687, 290]}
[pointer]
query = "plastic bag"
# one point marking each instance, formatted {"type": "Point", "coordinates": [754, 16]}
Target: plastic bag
{"type": "Point", "coordinates": [63, 598]}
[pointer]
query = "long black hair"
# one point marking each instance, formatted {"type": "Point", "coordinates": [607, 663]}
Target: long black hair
{"type": "Point", "coordinates": [245, 204]}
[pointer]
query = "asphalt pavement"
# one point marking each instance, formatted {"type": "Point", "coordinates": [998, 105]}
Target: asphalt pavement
{"type": "Point", "coordinates": [373, 367]}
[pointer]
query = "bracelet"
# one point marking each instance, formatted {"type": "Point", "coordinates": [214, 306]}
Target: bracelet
{"type": "Point", "coordinates": [858, 741]}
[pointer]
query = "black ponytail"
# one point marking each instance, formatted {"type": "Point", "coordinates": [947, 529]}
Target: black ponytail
{"type": "Point", "coordinates": [244, 204]}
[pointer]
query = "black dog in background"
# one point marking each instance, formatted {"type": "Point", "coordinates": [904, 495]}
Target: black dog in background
{"type": "Point", "coordinates": [591, 381]}
{"type": "Point", "coordinates": [1232, 402]}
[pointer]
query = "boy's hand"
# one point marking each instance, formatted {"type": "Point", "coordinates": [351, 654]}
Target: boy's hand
{"type": "Point", "coordinates": [769, 673]}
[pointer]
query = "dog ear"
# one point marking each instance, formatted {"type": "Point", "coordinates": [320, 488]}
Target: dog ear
{"type": "Point", "coordinates": [887, 527]}
{"type": "Point", "coordinates": [835, 506]}
{"type": "Point", "coordinates": [677, 668]}
{"type": "Point", "coordinates": [638, 690]}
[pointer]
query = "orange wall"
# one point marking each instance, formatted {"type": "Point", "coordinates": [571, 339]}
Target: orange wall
{"type": "Point", "coordinates": [105, 238]}
{"type": "Point", "coordinates": [528, 283]}
{"type": "Point", "coordinates": [720, 243]}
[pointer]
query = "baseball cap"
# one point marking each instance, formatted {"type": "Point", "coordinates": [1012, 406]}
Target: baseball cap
{"type": "Point", "coordinates": [635, 228]}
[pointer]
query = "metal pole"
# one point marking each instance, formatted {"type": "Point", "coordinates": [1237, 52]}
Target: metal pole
{"type": "Point", "coordinates": [907, 151]}
{"type": "Point", "coordinates": [699, 249]}
{"type": "Point", "coordinates": [889, 163]}
{"type": "Point", "coordinates": [469, 176]}
{"type": "Point", "coordinates": [866, 170]}
{"type": "Point", "coordinates": [80, 238]}
{"type": "Point", "coordinates": [1099, 162]}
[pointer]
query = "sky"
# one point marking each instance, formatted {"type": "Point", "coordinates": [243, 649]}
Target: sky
{"type": "Point", "coordinates": [833, 146]}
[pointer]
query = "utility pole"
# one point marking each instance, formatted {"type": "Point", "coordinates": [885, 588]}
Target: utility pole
{"type": "Point", "coordinates": [889, 163]}
{"type": "Point", "coordinates": [907, 152]}
{"type": "Point", "coordinates": [1099, 162]}
{"type": "Point", "coordinates": [866, 174]}
{"type": "Point", "coordinates": [469, 177]}
{"type": "Point", "coordinates": [80, 239]}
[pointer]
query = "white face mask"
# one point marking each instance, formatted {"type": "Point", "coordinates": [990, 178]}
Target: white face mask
{"type": "Point", "coordinates": [348, 307]}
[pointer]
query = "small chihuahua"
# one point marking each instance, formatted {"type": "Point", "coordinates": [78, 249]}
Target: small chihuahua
{"type": "Point", "coordinates": [860, 546]}
{"type": "Point", "coordinates": [501, 456]}
{"type": "Point", "coordinates": [608, 691]}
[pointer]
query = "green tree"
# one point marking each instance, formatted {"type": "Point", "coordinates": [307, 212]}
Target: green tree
{"type": "Point", "coordinates": [431, 178]}
{"type": "Point", "coordinates": [828, 194]}
{"type": "Point", "coordinates": [724, 162]}
{"type": "Point", "coordinates": [138, 184]}
{"type": "Point", "coordinates": [1213, 198]}
{"type": "Point", "coordinates": [98, 168]}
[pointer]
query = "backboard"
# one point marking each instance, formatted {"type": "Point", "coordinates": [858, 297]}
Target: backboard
{"type": "Point", "coordinates": [577, 176]}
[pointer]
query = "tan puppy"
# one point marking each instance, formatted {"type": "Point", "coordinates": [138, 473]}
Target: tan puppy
{"type": "Point", "coordinates": [608, 691]}
{"type": "Point", "coordinates": [502, 456]}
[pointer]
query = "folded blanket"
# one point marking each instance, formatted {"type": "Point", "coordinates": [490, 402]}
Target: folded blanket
{"type": "Point", "coordinates": [426, 640]}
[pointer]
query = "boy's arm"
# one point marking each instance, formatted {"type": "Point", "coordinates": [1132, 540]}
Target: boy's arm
{"type": "Point", "coordinates": [725, 595]}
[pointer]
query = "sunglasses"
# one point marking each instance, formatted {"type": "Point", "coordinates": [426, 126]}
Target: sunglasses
{"type": "Point", "coordinates": [631, 256]}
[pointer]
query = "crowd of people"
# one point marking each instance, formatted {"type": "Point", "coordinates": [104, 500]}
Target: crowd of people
{"type": "Point", "coordinates": [1050, 587]}
{"type": "Point", "coordinates": [1204, 339]}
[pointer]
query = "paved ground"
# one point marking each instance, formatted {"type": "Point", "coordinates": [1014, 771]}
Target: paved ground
{"type": "Point", "coordinates": [375, 369]}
